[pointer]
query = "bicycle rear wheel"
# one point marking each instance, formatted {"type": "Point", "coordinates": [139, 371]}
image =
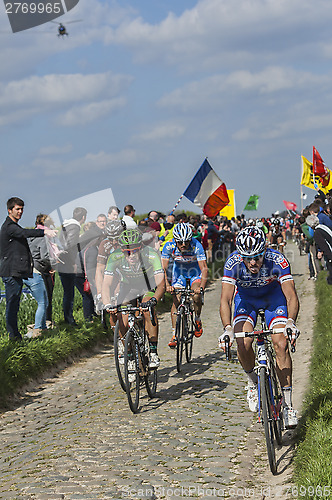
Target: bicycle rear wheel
{"type": "Point", "coordinates": [189, 336]}
{"type": "Point", "coordinates": [277, 397]}
{"type": "Point", "coordinates": [179, 340]}
{"type": "Point", "coordinates": [131, 363]}
{"type": "Point", "coordinates": [119, 348]}
{"type": "Point", "coordinates": [266, 406]}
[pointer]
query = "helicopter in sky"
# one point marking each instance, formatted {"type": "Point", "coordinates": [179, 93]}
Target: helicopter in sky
{"type": "Point", "coordinates": [62, 30]}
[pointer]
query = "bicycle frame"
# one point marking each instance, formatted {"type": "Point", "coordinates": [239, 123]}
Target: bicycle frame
{"type": "Point", "coordinates": [138, 332]}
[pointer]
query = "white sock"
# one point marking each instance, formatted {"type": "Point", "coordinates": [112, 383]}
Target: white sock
{"type": "Point", "coordinates": [287, 396]}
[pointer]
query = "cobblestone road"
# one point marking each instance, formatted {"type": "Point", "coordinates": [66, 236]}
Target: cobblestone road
{"type": "Point", "coordinates": [75, 437]}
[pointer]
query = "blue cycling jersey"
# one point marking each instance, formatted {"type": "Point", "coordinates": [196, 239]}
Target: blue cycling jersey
{"type": "Point", "coordinates": [261, 290]}
{"type": "Point", "coordinates": [275, 270]}
{"type": "Point", "coordinates": [185, 261]}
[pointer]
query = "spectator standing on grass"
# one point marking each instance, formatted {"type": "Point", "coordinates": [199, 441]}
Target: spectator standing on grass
{"type": "Point", "coordinates": [323, 239]}
{"type": "Point", "coordinates": [69, 239]}
{"type": "Point", "coordinates": [43, 250]}
{"type": "Point", "coordinates": [41, 284]}
{"type": "Point", "coordinates": [16, 262]}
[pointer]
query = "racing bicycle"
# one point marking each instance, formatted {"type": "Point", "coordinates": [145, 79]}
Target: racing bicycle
{"type": "Point", "coordinates": [269, 389]}
{"type": "Point", "coordinates": [135, 368]}
{"type": "Point", "coordinates": [185, 325]}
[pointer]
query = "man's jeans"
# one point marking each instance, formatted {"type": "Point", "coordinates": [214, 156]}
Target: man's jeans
{"type": "Point", "coordinates": [68, 285]}
{"type": "Point", "coordinates": [13, 289]}
{"type": "Point", "coordinates": [38, 291]}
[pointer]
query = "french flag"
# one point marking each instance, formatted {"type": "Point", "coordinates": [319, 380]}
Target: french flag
{"type": "Point", "coordinates": [207, 191]}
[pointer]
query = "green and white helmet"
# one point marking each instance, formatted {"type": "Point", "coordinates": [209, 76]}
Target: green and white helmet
{"type": "Point", "coordinates": [130, 238]}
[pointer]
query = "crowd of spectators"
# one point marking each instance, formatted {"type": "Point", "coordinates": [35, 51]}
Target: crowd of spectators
{"type": "Point", "coordinates": [79, 250]}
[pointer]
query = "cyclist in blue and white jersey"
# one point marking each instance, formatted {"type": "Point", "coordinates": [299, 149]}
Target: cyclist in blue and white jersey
{"type": "Point", "coordinates": [189, 262]}
{"type": "Point", "coordinates": [260, 278]}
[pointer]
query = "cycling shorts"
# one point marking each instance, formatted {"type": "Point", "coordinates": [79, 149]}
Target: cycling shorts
{"type": "Point", "coordinates": [180, 281]}
{"type": "Point", "coordinates": [180, 274]}
{"type": "Point", "coordinates": [274, 305]}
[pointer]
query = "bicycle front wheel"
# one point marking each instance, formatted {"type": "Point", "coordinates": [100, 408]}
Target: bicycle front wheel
{"type": "Point", "coordinates": [277, 400]}
{"type": "Point", "coordinates": [266, 406]}
{"type": "Point", "coordinates": [151, 377]}
{"type": "Point", "coordinates": [189, 336]}
{"type": "Point", "coordinates": [119, 347]}
{"type": "Point", "coordinates": [179, 335]}
{"type": "Point", "coordinates": [131, 364]}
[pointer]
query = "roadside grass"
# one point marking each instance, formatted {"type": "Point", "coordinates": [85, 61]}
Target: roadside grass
{"type": "Point", "coordinates": [22, 362]}
{"type": "Point", "coordinates": [313, 459]}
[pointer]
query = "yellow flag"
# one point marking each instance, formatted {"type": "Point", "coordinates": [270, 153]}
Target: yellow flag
{"type": "Point", "coordinates": [229, 210]}
{"type": "Point", "coordinates": [311, 181]}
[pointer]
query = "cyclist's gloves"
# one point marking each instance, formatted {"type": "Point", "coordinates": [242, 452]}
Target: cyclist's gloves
{"type": "Point", "coordinates": [98, 303]}
{"type": "Point", "coordinates": [227, 331]}
{"type": "Point", "coordinates": [112, 308]}
{"type": "Point", "coordinates": [290, 325]}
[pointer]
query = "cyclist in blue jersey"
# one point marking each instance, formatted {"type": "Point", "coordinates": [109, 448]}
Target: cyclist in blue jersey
{"type": "Point", "coordinates": [189, 262]}
{"type": "Point", "coordinates": [260, 278]}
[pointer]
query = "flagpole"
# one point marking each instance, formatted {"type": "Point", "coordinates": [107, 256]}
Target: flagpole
{"type": "Point", "coordinates": [176, 204]}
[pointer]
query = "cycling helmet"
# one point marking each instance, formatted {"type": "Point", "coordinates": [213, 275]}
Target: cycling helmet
{"type": "Point", "coordinates": [182, 232]}
{"type": "Point", "coordinates": [114, 228]}
{"type": "Point", "coordinates": [130, 238]}
{"type": "Point", "coordinates": [250, 241]}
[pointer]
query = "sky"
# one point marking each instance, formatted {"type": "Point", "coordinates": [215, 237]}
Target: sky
{"type": "Point", "coordinates": [141, 91]}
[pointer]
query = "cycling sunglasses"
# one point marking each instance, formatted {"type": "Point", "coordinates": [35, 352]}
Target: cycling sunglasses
{"type": "Point", "coordinates": [256, 257]}
{"type": "Point", "coordinates": [130, 251]}
{"type": "Point", "coordinates": [183, 243]}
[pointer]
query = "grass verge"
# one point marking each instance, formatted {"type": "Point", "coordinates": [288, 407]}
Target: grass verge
{"type": "Point", "coordinates": [313, 459]}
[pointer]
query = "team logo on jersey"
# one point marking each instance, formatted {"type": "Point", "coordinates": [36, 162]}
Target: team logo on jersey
{"type": "Point", "coordinates": [280, 311]}
{"type": "Point", "coordinates": [232, 261]}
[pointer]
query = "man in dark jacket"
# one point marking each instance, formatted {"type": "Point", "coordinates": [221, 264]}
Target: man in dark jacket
{"type": "Point", "coordinates": [16, 262]}
{"type": "Point", "coordinates": [323, 239]}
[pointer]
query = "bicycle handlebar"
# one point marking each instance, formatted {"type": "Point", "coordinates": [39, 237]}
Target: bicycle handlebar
{"type": "Point", "coordinates": [127, 309]}
{"type": "Point", "coordinates": [257, 333]}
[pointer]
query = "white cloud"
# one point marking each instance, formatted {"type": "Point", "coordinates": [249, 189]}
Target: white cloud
{"type": "Point", "coordinates": [90, 163]}
{"type": "Point", "coordinates": [218, 89]}
{"type": "Point", "coordinates": [225, 31]}
{"type": "Point", "coordinates": [161, 132]}
{"type": "Point", "coordinates": [81, 115]}
{"type": "Point", "coordinates": [23, 98]}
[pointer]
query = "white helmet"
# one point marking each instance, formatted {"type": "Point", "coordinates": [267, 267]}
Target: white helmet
{"type": "Point", "coordinates": [182, 232]}
{"type": "Point", "coordinates": [250, 241]}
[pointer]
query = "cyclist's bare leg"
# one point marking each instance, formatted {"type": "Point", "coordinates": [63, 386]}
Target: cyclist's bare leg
{"type": "Point", "coordinates": [196, 286]}
{"type": "Point", "coordinates": [283, 358]}
{"type": "Point", "coordinates": [152, 331]}
{"type": "Point", "coordinates": [123, 324]}
{"type": "Point", "coordinates": [245, 351]}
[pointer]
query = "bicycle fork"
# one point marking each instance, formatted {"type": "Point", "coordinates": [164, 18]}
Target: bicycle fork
{"type": "Point", "coordinates": [263, 361]}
